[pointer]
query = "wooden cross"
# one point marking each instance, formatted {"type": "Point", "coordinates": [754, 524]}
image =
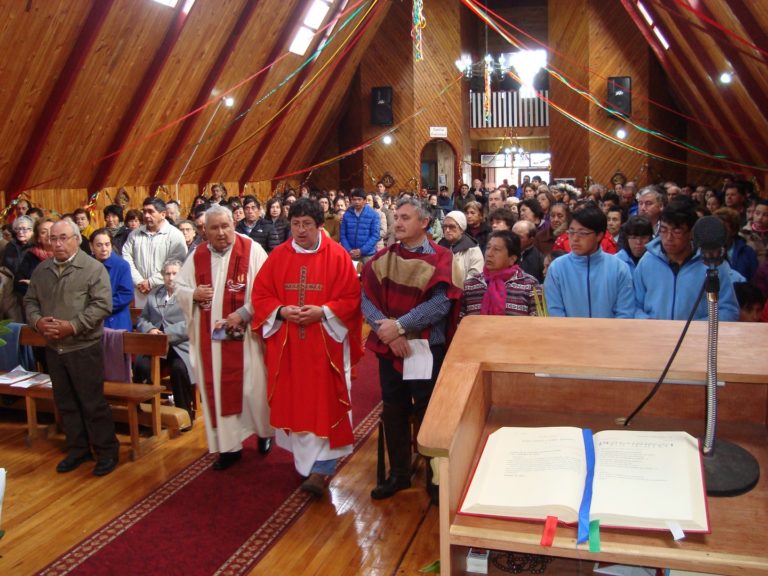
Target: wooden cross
{"type": "Point", "coordinates": [301, 287]}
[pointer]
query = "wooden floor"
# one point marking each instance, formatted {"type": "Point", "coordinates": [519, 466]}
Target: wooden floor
{"type": "Point", "coordinates": [344, 533]}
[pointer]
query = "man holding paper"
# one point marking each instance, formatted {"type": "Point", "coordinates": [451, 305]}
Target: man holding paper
{"type": "Point", "coordinates": [306, 300]}
{"type": "Point", "coordinates": [214, 291]}
{"type": "Point", "coordinates": [408, 291]}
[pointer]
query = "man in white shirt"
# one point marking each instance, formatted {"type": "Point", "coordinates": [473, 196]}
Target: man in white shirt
{"type": "Point", "coordinates": [149, 246]}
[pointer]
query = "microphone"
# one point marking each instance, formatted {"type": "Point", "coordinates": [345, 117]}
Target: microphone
{"type": "Point", "coordinates": [710, 236]}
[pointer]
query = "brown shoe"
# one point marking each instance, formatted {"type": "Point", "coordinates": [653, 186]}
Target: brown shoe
{"type": "Point", "coordinates": [314, 484]}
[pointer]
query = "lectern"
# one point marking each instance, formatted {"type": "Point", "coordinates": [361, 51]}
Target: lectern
{"type": "Point", "coordinates": [527, 371]}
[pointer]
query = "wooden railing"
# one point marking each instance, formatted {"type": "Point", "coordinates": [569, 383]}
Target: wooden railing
{"type": "Point", "coordinates": [509, 110]}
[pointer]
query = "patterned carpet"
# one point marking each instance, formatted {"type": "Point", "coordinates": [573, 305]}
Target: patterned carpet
{"type": "Point", "coordinates": [203, 522]}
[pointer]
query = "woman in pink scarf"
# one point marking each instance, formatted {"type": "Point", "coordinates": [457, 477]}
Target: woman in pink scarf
{"type": "Point", "coordinates": [503, 289]}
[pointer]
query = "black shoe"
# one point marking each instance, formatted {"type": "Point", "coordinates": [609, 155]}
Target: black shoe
{"type": "Point", "coordinates": [392, 485]}
{"type": "Point", "coordinates": [226, 459]}
{"type": "Point", "coordinates": [71, 462]}
{"type": "Point", "coordinates": [104, 466]}
{"type": "Point", "coordinates": [265, 445]}
{"type": "Point", "coordinates": [314, 484]}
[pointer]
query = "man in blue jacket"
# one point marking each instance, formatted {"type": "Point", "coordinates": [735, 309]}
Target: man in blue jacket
{"type": "Point", "coordinates": [360, 228]}
{"type": "Point", "coordinates": [670, 274]}
{"type": "Point", "coordinates": [587, 282]}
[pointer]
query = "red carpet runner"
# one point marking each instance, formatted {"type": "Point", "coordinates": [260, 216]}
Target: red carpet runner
{"type": "Point", "coordinates": [203, 522]}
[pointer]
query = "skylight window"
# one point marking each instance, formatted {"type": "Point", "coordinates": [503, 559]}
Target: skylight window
{"type": "Point", "coordinates": [645, 13]}
{"type": "Point", "coordinates": [301, 41]}
{"type": "Point", "coordinates": [316, 14]}
{"type": "Point", "coordinates": [312, 23]}
{"type": "Point", "coordinates": [173, 3]}
{"type": "Point", "coordinates": [654, 28]}
{"type": "Point", "coordinates": [661, 37]}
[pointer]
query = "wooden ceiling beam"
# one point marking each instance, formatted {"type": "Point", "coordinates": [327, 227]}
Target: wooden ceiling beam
{"type": "Point", "coordinates": [311, 117]}
{"type": "Point", "coordinates": [319, 102]}
{"type": "Point", "coordinates": [720, 103]}
{"type": "Point", "coordinates": [58, 96]}
{"type": "Point", "coordinates": [698, 104]}
{"type": "Point", "coordinates": [282, 42]}
{"type": "Point", "coordinates": [755, 87]}
{"type": "Point", "coordinates": [140, 97]}
{"type": "Point", "coordinates": [204, 94]}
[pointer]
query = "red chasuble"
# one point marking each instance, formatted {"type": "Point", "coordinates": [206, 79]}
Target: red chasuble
{"type": "Point", "coordinates": [231, 378]}
{"type": "Point", "coordinates": [306, 388]}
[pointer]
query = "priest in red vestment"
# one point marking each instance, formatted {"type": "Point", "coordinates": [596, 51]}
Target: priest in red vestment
{"type": "Point", "coordinates": [306, 302]}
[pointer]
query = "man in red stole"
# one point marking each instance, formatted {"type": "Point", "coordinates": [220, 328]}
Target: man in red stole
{"type": "Point", "coordinates": [214, 290]}
{"type": "Point", "coordinates": [306, 302]}
{"type": "Point", "coordinates": [408, 291]}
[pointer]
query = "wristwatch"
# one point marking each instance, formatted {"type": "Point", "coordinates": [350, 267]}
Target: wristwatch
{"type": "Point", "coordinates": [400, 329]}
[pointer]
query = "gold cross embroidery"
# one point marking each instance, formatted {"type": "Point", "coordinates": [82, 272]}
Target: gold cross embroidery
{"type": "Point", "coordinates": [301, 287]}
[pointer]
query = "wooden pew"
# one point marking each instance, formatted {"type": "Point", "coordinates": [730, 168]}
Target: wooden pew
{"type": "Point", "coordinates": [120, 393]}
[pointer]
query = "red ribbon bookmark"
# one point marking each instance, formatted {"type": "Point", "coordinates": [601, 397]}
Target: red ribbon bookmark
{"type": "Point", "coordinates": [548, 536]}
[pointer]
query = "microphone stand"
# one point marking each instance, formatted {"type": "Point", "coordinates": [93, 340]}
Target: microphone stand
{"type": "Point", "coordinates": [729, 469]}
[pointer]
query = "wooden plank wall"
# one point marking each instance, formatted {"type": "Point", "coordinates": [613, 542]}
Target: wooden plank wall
{"type": "Point", "coordinates": [613, 41]}
{"type": "Point", "coordinates": [389, 62]}
{"type": "Point", "coordinates": [569, 39]}
{"type": "Point", "coordinates": [591, 42]}
{"type": "Point", "coordinates": [442, 40]}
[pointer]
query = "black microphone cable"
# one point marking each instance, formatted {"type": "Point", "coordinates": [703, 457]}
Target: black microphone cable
{"type": "Point", "coordinates": [625, 421]}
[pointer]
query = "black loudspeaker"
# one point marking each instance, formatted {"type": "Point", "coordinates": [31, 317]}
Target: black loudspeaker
{"type": "Point", "coordinates": [620, 94]}
{"type": "Point", "coordinates": [381, 106]}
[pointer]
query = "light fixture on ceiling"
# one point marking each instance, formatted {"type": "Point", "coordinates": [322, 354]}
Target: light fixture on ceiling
{"type": "Point", "coordinates": [387, 139]}
{"type": "Point", "coordinates": [726, 78]}
{"type": "Point", "coordinates": [464, 64]}
{"type": "Point", "coordinates": [229, 101]}
{"type": "Point", "coordinates": [621, 134]}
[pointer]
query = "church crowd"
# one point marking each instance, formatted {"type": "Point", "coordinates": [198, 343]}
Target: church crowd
{"type": "Point", "coordinates": [248, 293]}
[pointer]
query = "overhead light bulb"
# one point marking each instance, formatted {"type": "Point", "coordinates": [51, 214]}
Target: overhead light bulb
{"type": "Point", "coordinates": [726, 78]}
{"type": "Point", "coordinates": [621, 133]}
{"type": "Point", "coordinates": [229, 101]}
{"type": "Point", "coordinates": [387, 139]}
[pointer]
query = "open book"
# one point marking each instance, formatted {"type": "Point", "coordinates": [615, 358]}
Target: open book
{"type": "Point", "coordinates": [622, 478]}
{"type": "Point", "coordinates": [16, 375]}
{"type": "Point", "coordinates": [36, 380]}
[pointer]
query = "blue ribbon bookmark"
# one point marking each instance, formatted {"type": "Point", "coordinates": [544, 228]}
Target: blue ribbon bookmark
{"type": "Point", "coordinates": [586, 499]}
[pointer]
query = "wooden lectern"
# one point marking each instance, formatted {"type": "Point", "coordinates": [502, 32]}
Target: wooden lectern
{"type": "Point", "coordinates": [587, 373]}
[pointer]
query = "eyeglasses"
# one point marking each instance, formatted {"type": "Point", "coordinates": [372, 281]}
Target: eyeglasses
{"type": "Point", "coordinates": [450, 227]}
{"type": "Point", "coordinates": [60, 239]}
{"type": "Point", "coordinates": [676, 232]}
{"type": "Point", "coordinates": [303, 225]}
{"type": "Point", "coordinates": [579, 233]}
{"type": "Point", "coordinates": [21, 229]}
